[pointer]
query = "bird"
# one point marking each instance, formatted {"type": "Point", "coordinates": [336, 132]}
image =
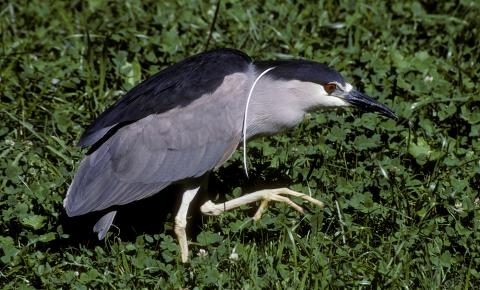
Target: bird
{"type": "Point", "coordinates": [187, 120]}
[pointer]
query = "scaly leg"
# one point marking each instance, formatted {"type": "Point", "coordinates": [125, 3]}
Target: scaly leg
{"type": "Point", "coordinates": [181, 222]}
{"type": "Point", "coordinates": [210, 208]}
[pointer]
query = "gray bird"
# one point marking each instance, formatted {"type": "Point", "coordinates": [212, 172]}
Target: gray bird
{"type": "Point", "coordinates": [187, 120]}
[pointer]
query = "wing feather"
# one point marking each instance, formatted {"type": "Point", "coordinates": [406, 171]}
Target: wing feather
{"type": "Point", "coordinates": [145, 156]}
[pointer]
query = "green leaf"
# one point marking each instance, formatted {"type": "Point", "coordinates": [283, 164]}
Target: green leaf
{"type": "Point", "coordinates": [47, 237]}
{"type": "Point", "coordinates": [207, 238]}
{"type": "Point", "coordinates": [34, 221]}
{"type": "Point", "coordinates": [9, 250]}
{"type": "Point", "coordinates": [364, 143]}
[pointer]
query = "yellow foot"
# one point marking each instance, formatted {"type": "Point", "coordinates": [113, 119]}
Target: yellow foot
{"type": "Point", "coordinates": [265, 196]}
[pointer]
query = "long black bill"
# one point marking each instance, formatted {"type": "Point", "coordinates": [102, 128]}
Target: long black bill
{"type": "Point", "coordinates": [368, 104]}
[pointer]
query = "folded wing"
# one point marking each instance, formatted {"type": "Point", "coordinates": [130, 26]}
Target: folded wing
{"type": "Point", "coordinates": [144, 156]}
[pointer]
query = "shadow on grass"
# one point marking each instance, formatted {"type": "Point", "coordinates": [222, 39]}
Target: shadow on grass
{"type": "Point", "coordinates": [155, 214]}
{"type": "Point", "coordinates": [152, 215]}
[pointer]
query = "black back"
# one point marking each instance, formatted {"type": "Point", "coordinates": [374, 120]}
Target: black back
{"type": "Point", "coordinates": [175, 86]}
{"type": "Point", "coordinates": [302, 70]}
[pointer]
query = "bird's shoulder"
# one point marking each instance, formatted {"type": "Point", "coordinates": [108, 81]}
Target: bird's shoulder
{"type": "Point", "coordinates": [176, 86]}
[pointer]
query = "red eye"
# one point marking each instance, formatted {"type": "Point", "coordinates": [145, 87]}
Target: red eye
{"type": "Point", "coordinates": [330, 87]}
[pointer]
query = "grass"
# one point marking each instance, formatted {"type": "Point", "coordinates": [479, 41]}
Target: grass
{"type": "Point", "coordinates": [403, 203]}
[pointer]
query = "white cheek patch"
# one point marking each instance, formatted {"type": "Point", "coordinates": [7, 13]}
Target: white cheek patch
{"type": "Point", "coordinates": [327, 100]}
{"type": "Point", "coordinates": [348, 87]}
{"type": "Point", "coordinates": [313, 95]}
{"type": "Point", "coordinates": [330, 101]}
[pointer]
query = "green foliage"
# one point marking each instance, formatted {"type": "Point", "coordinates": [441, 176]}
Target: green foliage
{"type": "Point", "coordinates": [403, 203]}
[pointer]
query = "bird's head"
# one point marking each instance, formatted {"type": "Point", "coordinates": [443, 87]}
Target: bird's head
{"type": "Point", "coordinates": [352, 97]}
{"type": "Point", "coordinates": [316, 86]}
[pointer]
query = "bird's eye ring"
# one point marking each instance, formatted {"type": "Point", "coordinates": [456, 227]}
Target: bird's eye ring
{"type": "Point", "coordinates": [330, 87]}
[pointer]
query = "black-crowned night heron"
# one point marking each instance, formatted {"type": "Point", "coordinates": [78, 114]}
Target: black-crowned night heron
{"type": "Point", "coordinates": [188, 119]}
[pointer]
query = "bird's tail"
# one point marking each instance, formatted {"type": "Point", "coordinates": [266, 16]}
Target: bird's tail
{"type": "Point", "coordinates": [103, 224]}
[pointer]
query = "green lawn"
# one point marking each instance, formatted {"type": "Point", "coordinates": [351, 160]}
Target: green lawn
{"type": "Point", "coordinates": [402, 197]}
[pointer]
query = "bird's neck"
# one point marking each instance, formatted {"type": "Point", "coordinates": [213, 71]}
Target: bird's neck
{"type": "Point", "coordinates": [274, 107]}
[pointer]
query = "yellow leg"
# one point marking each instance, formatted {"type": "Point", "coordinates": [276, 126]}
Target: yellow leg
{"type": "Point", "coordinates": [181, 222]}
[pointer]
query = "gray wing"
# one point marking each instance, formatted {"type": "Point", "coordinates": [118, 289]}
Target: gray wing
{"type": "Point", "coordinates": [144, 157]}
{"type": "Point", "coordinates": [177, 85]}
